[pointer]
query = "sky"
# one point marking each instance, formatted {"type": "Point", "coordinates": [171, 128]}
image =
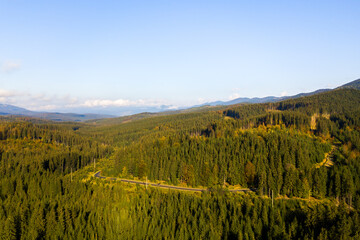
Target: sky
{"type": "Point", "coordinates": [90, 55]}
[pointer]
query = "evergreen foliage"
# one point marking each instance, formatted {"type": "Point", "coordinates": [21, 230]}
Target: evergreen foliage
{"type": "Point", "coordinates": [280, 149]}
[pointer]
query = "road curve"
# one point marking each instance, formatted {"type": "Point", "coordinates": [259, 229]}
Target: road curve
{"type": "Point", "coordinates": [97, 174]}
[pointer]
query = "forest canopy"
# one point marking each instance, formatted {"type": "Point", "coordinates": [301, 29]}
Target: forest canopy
{"type": "Point", "coordinates": [301, 156]}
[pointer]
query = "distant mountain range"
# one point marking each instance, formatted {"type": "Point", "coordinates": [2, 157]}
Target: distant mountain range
{"type": "Point", "coordinates": [354, 84]}
{"type": "Point", "coordinates": [6, 109]}
{"type": "Point", "coordinates": [264, 99]}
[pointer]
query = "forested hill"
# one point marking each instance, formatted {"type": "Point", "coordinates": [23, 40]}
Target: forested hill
{"type": "Point", "coordinates": [301, 155]}
{"type": "Point", "coordinates": [341, 101]}
{"type": "Point", "coordinates": [294, 133]}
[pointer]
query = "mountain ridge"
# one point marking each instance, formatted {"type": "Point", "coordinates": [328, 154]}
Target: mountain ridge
{"type": "Point", "coordinates": [353, 84]}
{"type": "Point", "coordinates": [263, 99]}
{"type": "Point", "coordinates": [7, 109]}
{"type": "Point", "coordinates": [11, 110]}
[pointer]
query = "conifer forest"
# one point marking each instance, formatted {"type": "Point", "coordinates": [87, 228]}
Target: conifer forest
{"type": "Point", "coordinates": [298, 159]}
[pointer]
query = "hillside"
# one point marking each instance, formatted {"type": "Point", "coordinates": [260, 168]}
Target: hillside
{"type": "Point", "coordinates": [278, 149]}
{"type": "Point", "coordinates": [145, 115]}
{"type": "Point", "coordinates": [6, 109]}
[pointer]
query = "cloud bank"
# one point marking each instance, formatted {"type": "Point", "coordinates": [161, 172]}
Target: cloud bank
{"type": "Point", "coordinates": [44, 102]}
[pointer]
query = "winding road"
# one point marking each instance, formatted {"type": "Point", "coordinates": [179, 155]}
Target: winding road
{"type": "Point", "coordinates": [97, 174]}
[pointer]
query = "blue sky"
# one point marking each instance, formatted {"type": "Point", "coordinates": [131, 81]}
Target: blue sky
{"type": "Point", "coordinates": [78, 55]}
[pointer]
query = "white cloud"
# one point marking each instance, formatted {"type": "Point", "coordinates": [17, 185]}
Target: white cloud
{"type": "Point", "coordinates": [108, 103]}
{"type": "Point", "coordinates": [5, 93]}
{"type": "Point", "coordinates": [234, 96]}
{"type": "Point", "coordinates": [10, 66]}
{"type": "Point", "coordinates": [49, 107]}
{"type": "Point", "coordinates": [173, 107]}
{"type": "Point", "coordinates": [45, 102]}
{"type": "Point", "coordinates": [201, 100]}
{"type": "Point", "coordinates": [284, 93]}
{"type": "Point", "coordinates": [124, 103]}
